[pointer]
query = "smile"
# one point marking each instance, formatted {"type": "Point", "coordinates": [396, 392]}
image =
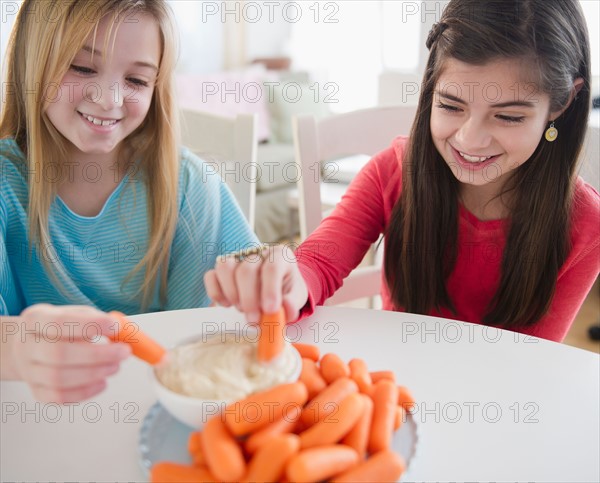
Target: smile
{"type": "Point", "coordinates": [474, 159]}
{"type": "Point", "coordinates": [97, 121]}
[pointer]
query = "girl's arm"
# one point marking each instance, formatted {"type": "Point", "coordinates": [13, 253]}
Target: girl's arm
{"type": "Point", "coordinates": [580, 270]}
{"type": "Point", "coordinates": [264, 283]}
{"type": "Point", "coordinates": [340, 242]}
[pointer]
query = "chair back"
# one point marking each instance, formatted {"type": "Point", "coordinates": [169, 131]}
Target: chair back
{"type": "Point", "coordinates": [364, 132]}
{"type": "Point", "coordinates": [227, 145]}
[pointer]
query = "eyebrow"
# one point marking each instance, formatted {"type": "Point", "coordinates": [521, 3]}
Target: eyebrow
{"type": "Point", "coordinates": [138, 63]}
{"type": "Point", "coordinates": [500, 104]}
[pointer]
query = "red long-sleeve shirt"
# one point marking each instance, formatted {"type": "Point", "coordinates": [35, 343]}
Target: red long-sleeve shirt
{"type": "Point", "coordinates": [343, 238]}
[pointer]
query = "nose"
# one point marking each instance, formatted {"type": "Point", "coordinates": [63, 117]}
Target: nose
{"type": "Point", "coordinates": [473, 135]}
{"type": "Point", "coordinates": [108, 95]}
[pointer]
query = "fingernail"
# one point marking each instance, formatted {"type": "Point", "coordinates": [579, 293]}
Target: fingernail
{"type": "Point", "coordinates": [270, 305]}
{"type": "Point", "coordinates": [124, 351]}
{"type": "Point", "coordinates": [252, 317]}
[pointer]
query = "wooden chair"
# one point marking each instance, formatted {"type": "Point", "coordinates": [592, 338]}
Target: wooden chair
{"type": "Point", "coordinates": [229, 144]}
{"type": "Point", "coordinates": [363, 132]}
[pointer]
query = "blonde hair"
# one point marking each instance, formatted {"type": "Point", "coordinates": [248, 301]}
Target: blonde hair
{"type": "Point", "coordinates": [40, 51]}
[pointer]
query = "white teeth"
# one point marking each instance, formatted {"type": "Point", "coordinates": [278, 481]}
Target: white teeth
{"type": "Point", "coordinates": [474, 159]}
{"type": "Point", "coordinates": [100, 122]}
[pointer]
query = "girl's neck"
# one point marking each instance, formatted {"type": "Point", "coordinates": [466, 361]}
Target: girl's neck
{"type": "Point", "coordinates": [91, 179]}
{"type": "Point", "coordinates": [487, 202]}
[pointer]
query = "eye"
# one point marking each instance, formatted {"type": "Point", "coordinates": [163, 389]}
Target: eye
{"type": "Point", "coordinates": [448, 108]}
{"type": "Point", "coordinates": [82, 70]}
{"type": "Point", "coordinates": [137, 82]}
{"type": "Point", "coordinates": [511, 119]}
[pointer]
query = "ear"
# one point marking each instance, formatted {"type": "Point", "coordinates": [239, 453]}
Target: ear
{"type": "Point", "coordinates": [577, 85]}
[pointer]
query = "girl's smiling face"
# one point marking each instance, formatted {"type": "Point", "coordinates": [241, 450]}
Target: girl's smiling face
{"type": "Point", "coordinates": [486, 120]}
{"type": "Point", "coordinates": [105, 96]}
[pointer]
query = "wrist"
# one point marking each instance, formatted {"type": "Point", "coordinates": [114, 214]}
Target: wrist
{"type": "Point", "coordinates": [9, 328]}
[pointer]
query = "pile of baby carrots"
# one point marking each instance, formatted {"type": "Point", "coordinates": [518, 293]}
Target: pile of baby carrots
{"type": "Point", "coordinates": [335, 423]}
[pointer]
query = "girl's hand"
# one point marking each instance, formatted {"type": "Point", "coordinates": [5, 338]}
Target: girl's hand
{"type": "Point", "coordinates": [259, 283]}
{"type": "Point", "coordinates": [52, 351]}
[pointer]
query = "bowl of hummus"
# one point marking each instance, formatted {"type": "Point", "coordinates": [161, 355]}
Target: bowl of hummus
{"type": "Point", "coordinates": [201, 375]}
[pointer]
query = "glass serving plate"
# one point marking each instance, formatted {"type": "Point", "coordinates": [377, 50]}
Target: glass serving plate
{"type": "Point", "coordinates": [163, 438]}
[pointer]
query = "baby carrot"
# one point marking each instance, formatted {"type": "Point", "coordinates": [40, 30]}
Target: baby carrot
{"type": "Point", "coordinates": [309, 351]}
{"type": "Point", "coordinates": [324, 403]}
{"type": "Point", "coordinates": [268, 464]}
{"type": "Point", "coordinates": [383, 466]}
{"type": "Point", "coordinates": [262, 408]}
{"type": "Point", "coordinates": [360, 374]}
{"type": "Point", "coordinates": [142, 346]}
{"type": "Point", "coordinates": [405, 398]}
{"type": "Point", "coordinates": [167, 472]}
{"type": "Point", "coordinates": [320, 463]}
{"type": "Point", "coordinates": [271, 341]}
{"type": "Point", "coordinates": [334, 427]}
{"type": "Point", "coordinates": [332, 368]}
{"type": "Point", "coordinates": [377, 376]}
{"type": "Point", "coordinates": [311, 377]}
{"type": "Point", "coordinates": [223, 455]}
{"type": "Point", "coordinates": [260, 437]}
{"type": "Point", "coordinates": [399, 419]}
{"type": "Point", "coordinates": [358, 437]}
{"type": "Point", "coordinates": [385, 398]}
{"type": "Point", "coordinates": [195, 448]}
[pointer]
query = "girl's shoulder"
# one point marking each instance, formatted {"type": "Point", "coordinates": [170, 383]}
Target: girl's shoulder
{"type": "Point", "coordinates": [193, 169]}
{"type": "Point", "coordinates": [585, 212]}
{"type": "Point", "coordinates": [12, 163]}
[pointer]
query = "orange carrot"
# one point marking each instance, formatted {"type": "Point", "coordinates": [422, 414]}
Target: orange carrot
{"type": "Point", "coordinates": [399, 418]}
{"type": "Point", "coordinates": [324, 403]}
{"type": "Point", "coordinates": [385, 398]}
{"type": "Point", "coordinates": [332, 368]}
{"type": "Point", "coordinates": [358, 437]}
{"type": "Point", "coordinates": [383, 466]}
{"type": "Point", "coordinates": [260, 438]}
{"type": "Point", "coordinates": [335, 426]}
{"type": "Point", "coordinates": [167, 472]}
{"type": "Point", "coordinates": [405, 398]}
{"type": "Point", "coordinates": [195, 448]}
{"type": "Point", "coordinates": [379, 375]}
{"type": "Point", "coordinates": [262, 408]}
{"type": "Point", "coordinates": [311, 377]}
{"type": "Point", "coordinates": [271, 341]}
{"type": "Point", "coordinates": [320, 463]}
{"type": "Point", "coordinates": [223, 456]}
{"type": "Point", "coordinates": [309, 351]}
{"type": "Point", "coordinates": [142, 345]}
{"type": "Point", "coordinates": [360, 374]}
{"type": "Point", "coordinates": [268, 464]}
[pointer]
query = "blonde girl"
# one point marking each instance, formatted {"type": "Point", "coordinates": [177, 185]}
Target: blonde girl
{"type": "Point", "coordinates": [100, 209]}
{"type": "Point", "coordinates": [484, 216]}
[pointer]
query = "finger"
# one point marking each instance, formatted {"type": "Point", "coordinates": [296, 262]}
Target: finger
{"type": "Point", "coordinates": [213, 289]}
{"type": "Point", "coordinates": [225, 271]}
{"type": "Point", "coordinates": [62, 396]}
{"type": "Point", "coordinates": [57, 377]}
{"type": "Point", "coordinates": [247, 278]}
{"type": "Point", "coordinates": [272, 274]}
{"type": "Point", "coordinates": [294, 297]}
{"type": "Point", "coordinates": [64, 353]}
{"type": "Point", "coordinates": [68, 322]}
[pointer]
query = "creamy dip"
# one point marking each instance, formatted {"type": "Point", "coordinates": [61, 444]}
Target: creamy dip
{"type": "Point", "coordinates": [224, 367]}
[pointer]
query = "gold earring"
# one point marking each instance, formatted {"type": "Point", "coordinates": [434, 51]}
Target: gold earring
{"type": "Point", "coordinates": [551, 133]}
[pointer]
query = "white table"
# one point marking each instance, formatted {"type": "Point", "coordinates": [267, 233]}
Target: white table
{"type": "Point", "coordinates": [492, 406]}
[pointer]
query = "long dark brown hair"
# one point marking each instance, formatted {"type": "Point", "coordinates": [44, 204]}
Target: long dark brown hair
{"type": "Point", "coordinates": [421, 239]}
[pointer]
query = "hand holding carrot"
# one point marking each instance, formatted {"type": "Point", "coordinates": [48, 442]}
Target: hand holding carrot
{"type": "Point", "coordinates": [53, 352]}
{"type": "Point", "coordinates": [259, 284]}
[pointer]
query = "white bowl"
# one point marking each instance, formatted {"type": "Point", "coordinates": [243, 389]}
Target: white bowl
{"type": "Point", "coordinates": [195, 411]}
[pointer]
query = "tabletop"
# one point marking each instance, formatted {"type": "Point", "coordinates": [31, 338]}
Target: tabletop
{"type": "Point", "coordinates": [492, 405]}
